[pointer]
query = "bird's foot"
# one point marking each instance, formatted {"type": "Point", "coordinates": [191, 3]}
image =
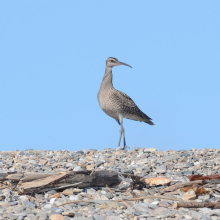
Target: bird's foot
{"type": "Point", "coordinates": [125, 148]}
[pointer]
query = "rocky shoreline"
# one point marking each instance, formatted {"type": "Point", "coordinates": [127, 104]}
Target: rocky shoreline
{"type": "Point", "coordinates": [146, 163]}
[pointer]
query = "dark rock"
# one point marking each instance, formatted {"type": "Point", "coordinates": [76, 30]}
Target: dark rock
{"type": "Point", "coordinates": [99, 163]}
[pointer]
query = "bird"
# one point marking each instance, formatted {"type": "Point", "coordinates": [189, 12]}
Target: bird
{"type": "Point", "coordinates": [117, 104]}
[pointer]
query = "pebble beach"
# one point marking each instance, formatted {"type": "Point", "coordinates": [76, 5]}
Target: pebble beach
{"type": "Point", "coordinates": [146, 163]}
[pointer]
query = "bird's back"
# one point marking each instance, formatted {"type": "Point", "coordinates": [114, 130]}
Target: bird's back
{"type": "Point", "coordinates": [127, 108]}
{"type": "Point", "coordinates": [117, 104]}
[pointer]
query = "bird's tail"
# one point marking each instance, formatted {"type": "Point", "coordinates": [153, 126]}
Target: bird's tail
{"type": "Point", "coordinates": [149, 122]}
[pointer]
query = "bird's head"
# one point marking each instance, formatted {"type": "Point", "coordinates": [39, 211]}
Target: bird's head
{"type": "Point", "coordinates": [111, 61]}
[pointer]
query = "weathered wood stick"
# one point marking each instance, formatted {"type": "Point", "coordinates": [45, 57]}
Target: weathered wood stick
{"type": "Point", "coordinates": [207, 177]}
{"type": "Point", "coordinates": [211, 205]}
{"type": "Point", "coordinates": [28, 176]}
{"type": "Point", "coordinates": [181, 185]}
{"type": "Point", "coordinates": [123, 200]}
{"type": "Point", "coordinates": [40, 183]}
{"type": "Point", "coordinates": [171, 193]}
{"type": "Point", "coordinates": [61, 187]}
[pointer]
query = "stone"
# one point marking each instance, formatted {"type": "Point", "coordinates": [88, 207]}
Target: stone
{"type": "Point", "coordinates": [110, 204]}
{"type": "Point", "coordinates": [68, 192]}
{"type": "Point", "coordinates": [43, 162]}
{"type": "Point", "coordinates": [13, 203]}
{"type": "Point", "coordinates": [56, 217]}
{"type": "Point", "coordinates": [187, 173]}
{"type": "Point", "coordinates": [190, 195]}
{"type": "Point", "coordinates": [98, 217]}
{"type": "Point", "coordinates": [2, 197]}
{"type": "Point", "coordinates": [30, 204]}
{"type": "Point", "coordinates": [69, 165]}
{"type": "Point", "coordinates": [71, 214]}
{"type": "Point", "coordinates": [204, 197]}
{"type": "Point", "coordinates": [12, 216]}
{"type": "Point", "coordinates": [90, 167]}
{"type": "Point", "coordinates": [56, 210]}
{"type": "Point", "coordinates": [206, 217]}
{"type": "Point", "coordinates": [42, 215]}
{"type": "Point", "coordinates": [32, 217]}
{"type": "Point", "coordinates": [91, 191]}
{"type": "Point", "coordinates": [161, 169]}
{"type": "Point", "coordinates": [47, 206]}
{"type": "Point", "coordinates": [99, 163]}
{"type": "Point", "coordinates": [128, 171]}
{"type": "Point", "coordinates": [150, 150]}
{"type": "Point", "coordinates": [5, 205]}
{"type": "Point", "coordinates": [74, 197]}
{"type": "Point", "coordinates": [77, 168]}
{"type": "Point", "coordinates": [84, 218]}
{"type": "Point", "coordinates": [51, 192]}
{"type": "Point", "coordinates": [23, 198]}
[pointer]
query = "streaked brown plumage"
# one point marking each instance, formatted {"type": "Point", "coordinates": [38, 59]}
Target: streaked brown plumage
{"type": "Point", "coordinates": [117, 104]}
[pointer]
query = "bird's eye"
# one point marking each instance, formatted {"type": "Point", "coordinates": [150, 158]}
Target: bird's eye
{"type": "Point", "coordinates": [112, 61]}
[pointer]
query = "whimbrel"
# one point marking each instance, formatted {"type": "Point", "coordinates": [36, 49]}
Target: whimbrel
{"type": "Point", "coordinates": [117, 104]}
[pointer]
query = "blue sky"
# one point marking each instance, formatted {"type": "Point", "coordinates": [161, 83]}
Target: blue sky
{"type": "Point", "coordinates": [52, 61]}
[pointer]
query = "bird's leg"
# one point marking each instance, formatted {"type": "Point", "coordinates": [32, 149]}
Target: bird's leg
{"type": "Point", "coordinates": [121, 131]}
{"type": "Point", "coordinates": [124, 138]}
{"type": "Point", "coordinates": [125, 146]}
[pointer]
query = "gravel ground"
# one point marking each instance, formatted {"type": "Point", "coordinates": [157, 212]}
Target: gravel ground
{"type": "Point", "coordinates": [176, 165]}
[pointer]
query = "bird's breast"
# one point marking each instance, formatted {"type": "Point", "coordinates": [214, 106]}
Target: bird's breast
{"type": "Point", "coordinates": [107, 104]}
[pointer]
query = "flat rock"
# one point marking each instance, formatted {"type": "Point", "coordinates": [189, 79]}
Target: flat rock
{"type": "Point", "coordinates": [68, 192]}
{"type": "Point", "coordinates": [150, 150]}
{"type": "Point", "coordinates": [190, 195]}
{"type": "Point", "coordinates": [98, 217]}
{"type": "Point", "coordinates": [71, 214]}
{"type": "Point", "coordinates": [56, 217]}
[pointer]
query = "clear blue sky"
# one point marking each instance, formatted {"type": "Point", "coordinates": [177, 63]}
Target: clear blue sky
{"type": "Point", "coordinates": [52, 61]}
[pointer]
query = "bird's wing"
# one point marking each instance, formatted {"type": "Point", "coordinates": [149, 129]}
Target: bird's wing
{"type": "Point", "coordinates": [130, 109]}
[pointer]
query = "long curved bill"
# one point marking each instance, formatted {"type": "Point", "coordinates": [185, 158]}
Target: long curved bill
{"type": "Point", "coordinates": [121, 63]}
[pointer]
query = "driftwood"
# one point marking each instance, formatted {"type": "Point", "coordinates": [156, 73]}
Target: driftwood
{"type": "Point", "coordinates": [171, 193]}
{"type": "Point", "coordinates": [35, 182]}
{"type": "Point", "coordinates": [207, 177]}
{"type": "Point", "coordinates": [181, 185]}
{"type": "Point", "coordinates": [41, 182]}
{"type": "Point", "coordinates": [61, 187]}
{"type": "Point", "coordinates": [211, 205]}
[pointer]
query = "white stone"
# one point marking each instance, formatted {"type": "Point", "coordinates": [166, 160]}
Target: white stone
{"type": "Point", "coordinates": [155, 203]}
{"type": "Point", "coordinates": [188, 216]}
{"type": "Point", "coordinates": [190, 195]}
{"type": "Point", "coordinates": [74, 197]}
{"type": "Point", "coordinates": [77, 168]}
{"type": "Point", "coordinates": [23, 198]}
{"type": "Point", "coordinates": [52, 201]}
{"type": "Point", "coordinates": [69, 165]}
{"type": "Point", "coordinates": [103, 197]}
{"type": "Point", "coordinates": [150, 150]}
{"type": "Point", "coordinates": [32, 161]}
{"type": "Point", "coordinates": [48, 206]}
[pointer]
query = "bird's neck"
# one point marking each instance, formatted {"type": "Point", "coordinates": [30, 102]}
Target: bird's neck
{"type": "Point", "coordinates": [107, 79]}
